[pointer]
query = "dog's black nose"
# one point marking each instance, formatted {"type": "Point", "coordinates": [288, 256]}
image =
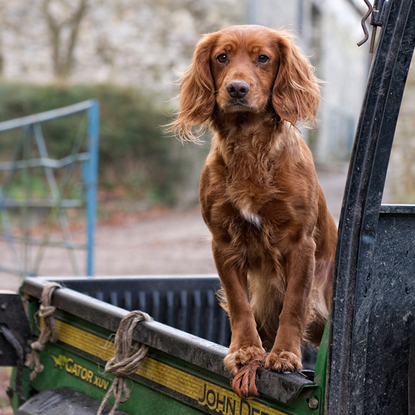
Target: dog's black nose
{"type": "Point", "coordinates": [237, 89]}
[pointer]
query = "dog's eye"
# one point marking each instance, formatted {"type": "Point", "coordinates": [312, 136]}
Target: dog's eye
{"type": "Point", "coordinates": [263, 58]}
{"type": "Point", "coordinates": [222, 58]}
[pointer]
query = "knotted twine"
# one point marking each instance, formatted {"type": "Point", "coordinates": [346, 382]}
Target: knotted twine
{"type": "Point", "coordinates": [128, 358]}
{"type": "Point", "coordinates": [48, 333]}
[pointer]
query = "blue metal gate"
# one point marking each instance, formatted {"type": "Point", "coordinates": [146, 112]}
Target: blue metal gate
{"type": "Point", "coordinates": [30, 157]}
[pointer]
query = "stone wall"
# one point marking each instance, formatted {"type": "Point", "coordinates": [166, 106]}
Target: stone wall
{"type": "Point", "coordinates": [147, 42]}
{"type": "Point", "coordinates": [128, 42]}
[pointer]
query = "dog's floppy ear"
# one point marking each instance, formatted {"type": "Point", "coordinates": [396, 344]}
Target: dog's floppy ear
{"type": "Point", "coordinates": [296, 92]}
{"type": "Point", "coordinates": [197, 92]}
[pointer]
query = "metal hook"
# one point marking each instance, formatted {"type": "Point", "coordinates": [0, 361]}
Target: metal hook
{"type": "Point", "coordinates": [365, 17]}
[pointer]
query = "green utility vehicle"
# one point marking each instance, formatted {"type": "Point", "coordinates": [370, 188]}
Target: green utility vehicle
{"type": "Point", "coordinates": [366, 362]}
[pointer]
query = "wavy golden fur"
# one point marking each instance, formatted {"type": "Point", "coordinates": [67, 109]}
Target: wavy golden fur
{"type": "Point", "coordinates": [259, 193]}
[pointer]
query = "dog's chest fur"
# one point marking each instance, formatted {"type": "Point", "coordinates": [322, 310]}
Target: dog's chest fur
{"type": "Point", "coordinates": [250, 178]}
{"type": "Point", "coordinates": [246, 187]}
{"type": "Point", "coordinates": [246, 192]}
{"type": "Point", "coordinates": [249, 186]}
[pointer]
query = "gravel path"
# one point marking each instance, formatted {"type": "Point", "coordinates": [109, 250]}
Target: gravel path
{"type": "Point", "coordinates": [172, 242]}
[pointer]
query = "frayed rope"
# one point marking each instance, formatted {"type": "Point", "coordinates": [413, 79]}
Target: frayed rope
{"type": "Point", "coordinates": [128, 358]}
{"type": "Point", "coordinates": [48, 333]}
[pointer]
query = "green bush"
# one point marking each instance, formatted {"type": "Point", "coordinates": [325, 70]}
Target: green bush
{"type": "Point", "coordinates": [133, 152]}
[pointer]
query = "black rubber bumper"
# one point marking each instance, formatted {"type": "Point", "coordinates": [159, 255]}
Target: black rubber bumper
{"type": "Point", "coordinates": [62, 401]}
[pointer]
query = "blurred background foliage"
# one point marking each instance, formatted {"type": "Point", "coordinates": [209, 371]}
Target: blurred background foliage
{"type": "Point", "coordinates": [136, 157]}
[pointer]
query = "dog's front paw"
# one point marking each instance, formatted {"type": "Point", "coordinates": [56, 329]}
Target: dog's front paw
{"type": "Point", "coordinates": [283, 362]}
{"type": "Point", "coordinates": [234, 361]}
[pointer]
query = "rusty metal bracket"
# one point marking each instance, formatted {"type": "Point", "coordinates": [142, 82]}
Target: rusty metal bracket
{"type": "Point", "coordinates": [363, 22]}
{"type": "Point", "coordinates": [377, 13]}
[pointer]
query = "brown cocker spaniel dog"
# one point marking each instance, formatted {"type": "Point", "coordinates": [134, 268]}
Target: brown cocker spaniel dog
{"type": "Point", "coordinates": [271, 230]}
